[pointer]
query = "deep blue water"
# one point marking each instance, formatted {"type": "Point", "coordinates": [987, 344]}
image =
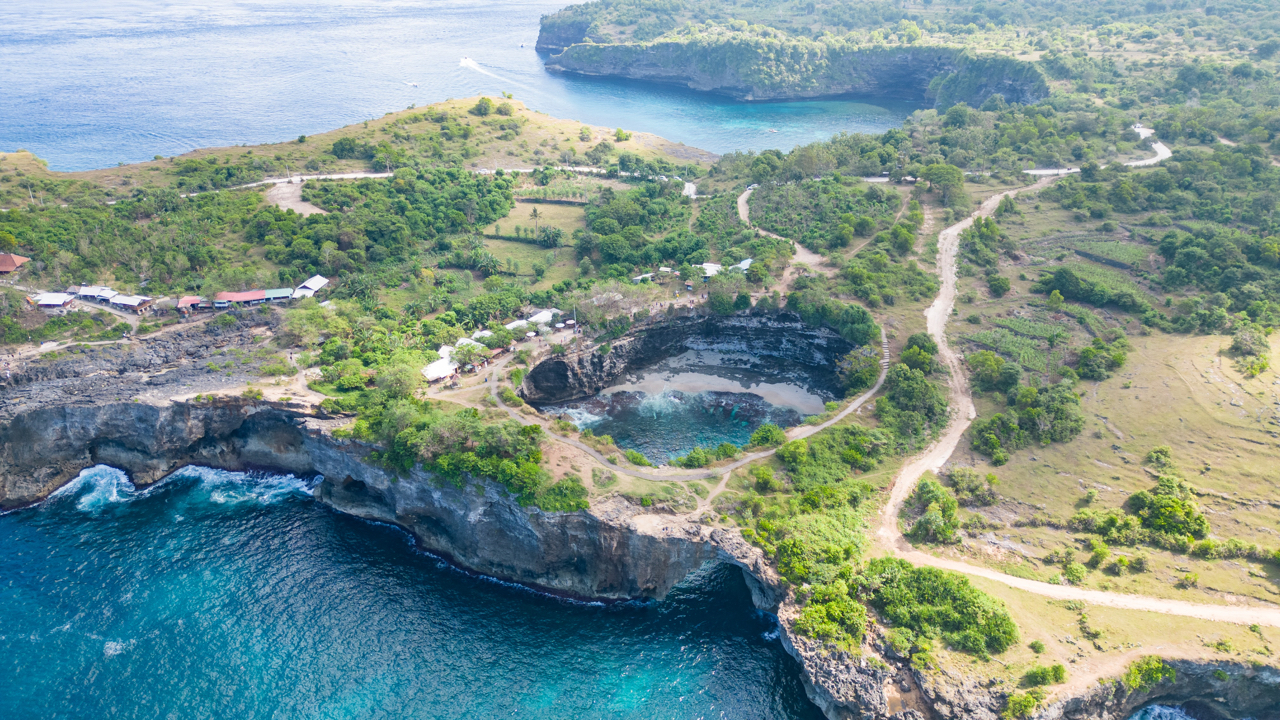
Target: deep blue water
{"type": "Point", "coordinates": [224, 595]}
{"type": "Point", "coordinates": [88, 83]}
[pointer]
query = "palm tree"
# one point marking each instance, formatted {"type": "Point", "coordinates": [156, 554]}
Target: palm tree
{"type": "Point", "coordinates": [534, 215]}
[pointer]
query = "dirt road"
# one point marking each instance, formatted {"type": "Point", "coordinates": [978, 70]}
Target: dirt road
{"type": "Point", "coordinates": [936, 456]}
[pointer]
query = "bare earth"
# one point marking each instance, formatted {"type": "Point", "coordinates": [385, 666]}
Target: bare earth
{"type": "Point", "coordinates": [288, 196]}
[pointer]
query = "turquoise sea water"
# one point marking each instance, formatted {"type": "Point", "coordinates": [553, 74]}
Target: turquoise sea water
{"type": "Point", "coordinates": [220, 595]}
{"type": "Point", "coordinates": [88, 84]}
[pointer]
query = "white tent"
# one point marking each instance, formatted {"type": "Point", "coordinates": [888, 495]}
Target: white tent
{"type": "Point", "coordinates": [309, 288]}
{"type": "Point", "coordinates": [442, 368]}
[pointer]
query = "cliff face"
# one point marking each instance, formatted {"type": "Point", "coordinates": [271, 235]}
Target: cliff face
{"type": "Point", "coordinates": [610, 551]}
{"type": "Point", "coordinates": [781, 340]}
{"type": "Point", "coordinates": [741, 68]}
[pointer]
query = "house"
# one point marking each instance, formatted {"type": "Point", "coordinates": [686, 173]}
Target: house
{"type": "Point", "coordinates": [89, 293]}
{"type": "Point", "coordinates": [188, 304]}
{"type": "Point", "coordinates": [442, 368]}
{"type": "Point", "coordinates": [279, 294]}
{"type": "Point", "coordinates": [248, 297]}
{"type": "Point", "coordinates": [709, 270]}
{"type": "Point", "coordinates": [445, 366]}
{"type": "Point", "coordinates": [95, 293]}
{"type": "Point", "coordinates": [10, 262]}
{"type": "Point", "coordinates": [52, 300]}
{"type": "Point", "coordinates": [641, 278]}
{"type": "Point", "coordinates": [309, 288]}
{"type": "Point", "coordinates": [664, 269]}
{"type": "Point", "coordinates": [136, 303]}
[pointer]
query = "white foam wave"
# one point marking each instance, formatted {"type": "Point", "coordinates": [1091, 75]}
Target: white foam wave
{"type": "Point", "coordinates": [581, 418]}
{"type": "Point", "coordinates": [96, 488]}
{"type": "Point", "coordinates": [101, 486]}
{"type": "Point", "coordinates": [113, 648]}
{"type": "Point", "coordinates": [1160, 712]}
{"type": "Point", "coordinates": [225, 487]}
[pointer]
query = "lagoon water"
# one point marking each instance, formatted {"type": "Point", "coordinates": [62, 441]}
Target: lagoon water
{"type": "Point", "coordinates": [219, 595]}
{"type": "Point", "coordinates": [699, 398]}
{"type": "Point", "coordinates": [89, 84]}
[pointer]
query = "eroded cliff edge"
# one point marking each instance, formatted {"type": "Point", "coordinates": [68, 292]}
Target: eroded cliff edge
{"type": "Point", "coordinates": [738, 67]}
{"type": "Point", "coordinates": [780, 341]}
{"type": "Point", "coordinates": [51, 427]}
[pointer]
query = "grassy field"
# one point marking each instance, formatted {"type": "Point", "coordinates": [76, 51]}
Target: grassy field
{"type": "Point", "coordinates": [566, 217]}
{"type": "Point", "coordinates": [1177, 391]}
{"type": "Point", "coordinates": [541, 139]}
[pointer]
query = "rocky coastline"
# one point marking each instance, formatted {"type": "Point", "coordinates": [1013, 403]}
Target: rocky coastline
{"type": "Point", "coordinates": [69, 413]}
{"type": "Point", "coordinates": [936, 76]}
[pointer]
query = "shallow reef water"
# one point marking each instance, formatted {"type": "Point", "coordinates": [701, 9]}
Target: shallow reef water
{"type": "Point", "coordinates": [217, 594]}
{"type": "Point", "coordinates": [695, 399]}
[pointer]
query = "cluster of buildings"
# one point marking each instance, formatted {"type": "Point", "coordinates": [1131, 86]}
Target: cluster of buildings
{"type": "Point", "coordinates": [709, 270]}
{"type": "Point", "coordinates": [447, 367]}
{"type": "Point", "coordinates": [223, 300]}
{"type": "Point", "coordinates": [141, 304]}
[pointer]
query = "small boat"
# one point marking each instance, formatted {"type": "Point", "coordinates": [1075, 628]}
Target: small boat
{"type": "Point", "coordinates": [771, 130]}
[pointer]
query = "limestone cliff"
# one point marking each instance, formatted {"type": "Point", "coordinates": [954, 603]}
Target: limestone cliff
{"type": "Point", "coordinates": [613, 550]}
{"type": "Point", "coordinates": [740, 67]}
{"type": "Point", "coordinates": [782, 339]}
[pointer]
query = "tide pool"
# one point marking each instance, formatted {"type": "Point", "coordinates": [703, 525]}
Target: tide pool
{"type": "Point", "coordinates": [216, 595]}
{"type": "Point", "coordinates": [88, 84]}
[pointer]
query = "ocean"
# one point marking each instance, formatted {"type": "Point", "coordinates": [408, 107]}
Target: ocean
{"type": "Point", "coordinates": [220, 595]}
{"type": "Point", "coordinates": [88, 84]}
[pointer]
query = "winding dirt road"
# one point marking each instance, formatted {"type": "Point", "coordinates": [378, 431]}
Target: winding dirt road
{"type": "Point", "coordinates": [933, 458]}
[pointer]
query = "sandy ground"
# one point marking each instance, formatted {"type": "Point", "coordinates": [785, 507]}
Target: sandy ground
{"type": "Point", "coordinates": [936, 456]}
{"type": "Point", "coordinates": [288, 196]}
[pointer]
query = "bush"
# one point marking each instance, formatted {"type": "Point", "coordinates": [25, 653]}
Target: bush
{"type": "Point", "coordinates": [938, 603]}
{"type": "Point", "coordinates": [1036, 646]}
{"type": "Point", "coordinates": [833, 617]}
{"type": "Point", "coordinates": [1039, 675]}
{"type": "Point", "coordinates": [1146, 673]}
{"type": "Point", "coordinates": [938, 523]}
{"type": "Point", "coordinates": [1020, 705]}
{"type": "Point", "coordinates": [768, 435]}
{"type": "Point", "coordinates": [998, 285]}
{"type": "Point", "coordinates": [509, 397]}
{"type": "Point", "coordinates": [636, 458]}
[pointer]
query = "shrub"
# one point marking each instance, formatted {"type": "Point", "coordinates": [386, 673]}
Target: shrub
{"type": "Point", "coordinates": [636, 458]}
{"type": "Point", "coordinates": [1146, 673]}
{"type": "Point", "coordinates": [768, 435]}
{"type": "Point", "coordinates": [832, 616]}
{"type": "Point", "coordinates": [568, 495]}
{"type": "Point", "coordinates": [998, 285]}
{"type": "Point", "coordinates": [1036, 646]}
{"type": "Point", "coordinates": [1039, 675]}
{"type": "Point", "coordinates": [1020, 705]}
{"type": "Point", "coordinates": [938, 523]}
{"type": "Point", "coordinates": [793, 453]}
{"type": "Point", "coordinates": [973, 489]}
{"type": "Point", "coordinates": [938, 603]}
{"type": "Point", "coordinates": [696, 458]}
{"type": "Point", "coordinates": [1074, 573]}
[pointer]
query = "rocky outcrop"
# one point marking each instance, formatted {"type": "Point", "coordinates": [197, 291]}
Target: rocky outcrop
{"type": "Point", "coordinates": [781, 341]}
{"type": "Point", "coordinates": [613, 550]}
{"type": "Point", "coordinates": [1212, 689]}
{"type": "Point", "coordinates": [737, 66]}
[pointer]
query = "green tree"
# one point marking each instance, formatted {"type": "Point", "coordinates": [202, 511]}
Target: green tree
{"type": "Point", "coordinates": [998, 285]}
{"type": "Point", "coordinates": [484, 106]}
{"type": "Point", "coordinates": [948, 181]}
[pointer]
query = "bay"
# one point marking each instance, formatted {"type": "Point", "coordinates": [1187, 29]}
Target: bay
{"type": "Point", "coordinates": [89, 84]}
